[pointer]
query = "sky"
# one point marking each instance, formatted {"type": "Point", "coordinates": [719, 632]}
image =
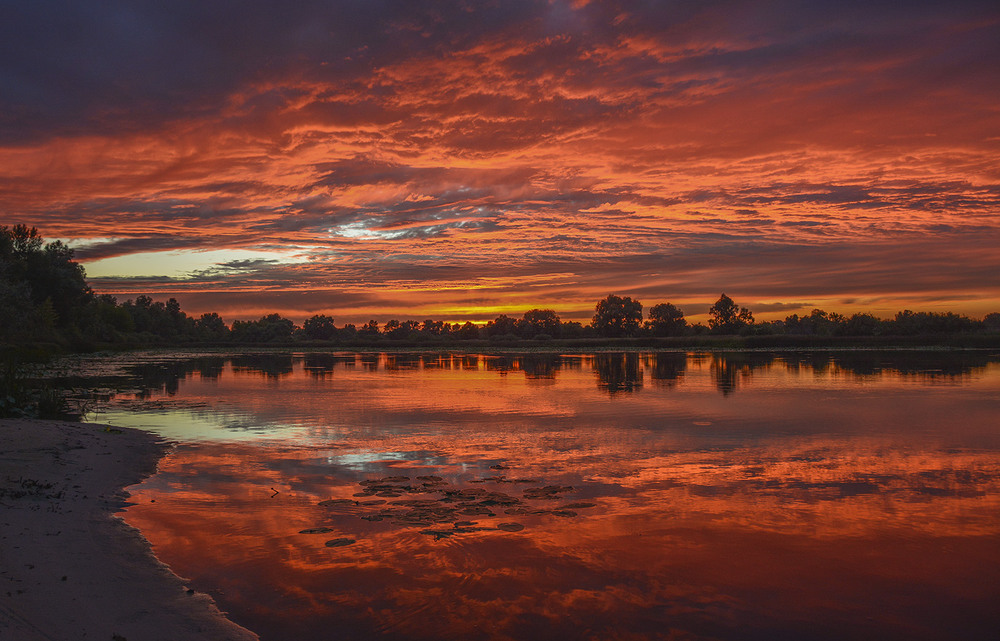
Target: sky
{"type": "Point", "coordinates": [456, 159]}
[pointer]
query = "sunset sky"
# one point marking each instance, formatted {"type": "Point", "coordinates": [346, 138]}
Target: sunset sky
{"type": "Point", "coordinates": [456, 160]}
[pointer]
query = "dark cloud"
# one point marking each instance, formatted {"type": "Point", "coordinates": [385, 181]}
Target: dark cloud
{"type": "Point", "coordinates": [67, 67]}
{"type": "Point", "coordinates": [124, 246]}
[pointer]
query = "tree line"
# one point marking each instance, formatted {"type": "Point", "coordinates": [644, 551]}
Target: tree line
{"type": "Point", "coordinates": [45, 299]}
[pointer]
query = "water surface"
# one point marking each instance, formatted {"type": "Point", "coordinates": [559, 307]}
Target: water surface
{"type": "Point", "coordinates": [592, 496]}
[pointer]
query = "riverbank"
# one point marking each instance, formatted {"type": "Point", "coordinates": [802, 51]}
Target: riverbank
{"type": "Point", "coordinates": [70, 569]}
{"type": "Point", "coordinates": [511, 343]}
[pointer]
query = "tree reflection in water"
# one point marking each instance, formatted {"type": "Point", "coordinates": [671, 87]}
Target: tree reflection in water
{"type": "Point", "coordinates": [618, 372]}
{"type": "Point", "coordinates": [667, 368]}
{"type": "Point", "coordinates": [615, 372]}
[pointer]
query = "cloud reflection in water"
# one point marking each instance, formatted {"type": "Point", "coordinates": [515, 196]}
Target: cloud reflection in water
{"type": "Point", "coordinates": [818, 497]}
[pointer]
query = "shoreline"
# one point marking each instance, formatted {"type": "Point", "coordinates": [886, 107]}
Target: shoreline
{"type": "Point", "coordinates": [69, 567]}
{"type": "Point", "coordinates": [711, 343]}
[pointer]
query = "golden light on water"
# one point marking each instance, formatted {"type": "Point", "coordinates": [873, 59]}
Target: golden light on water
{"type": "Point", "coordinates": [691, 493]}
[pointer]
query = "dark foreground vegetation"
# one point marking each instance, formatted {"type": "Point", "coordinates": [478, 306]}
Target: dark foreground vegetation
{"type": "Point", "coordinates": [46, 306]}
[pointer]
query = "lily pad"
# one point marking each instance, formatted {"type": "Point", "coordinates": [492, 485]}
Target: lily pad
{"type": "Point", "coordinates": [336, 543]}
{"type": "Point", "coordinates": [332, 502]}
{"type": "Point", "coordinates": [316, 530]}
{"type": "Point", "coordinates": [517, 510]}
{"type": "Point", "coordinates": [510, 527]}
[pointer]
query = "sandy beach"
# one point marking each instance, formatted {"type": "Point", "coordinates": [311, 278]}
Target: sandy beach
{"type": "Point", "coordinates": [70, 569]}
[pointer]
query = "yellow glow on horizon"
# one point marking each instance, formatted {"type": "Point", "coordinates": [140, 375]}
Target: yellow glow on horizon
{"type": "Point", "coordinates": [178, 263]}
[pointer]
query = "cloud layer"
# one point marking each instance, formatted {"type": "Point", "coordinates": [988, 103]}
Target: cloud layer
{"type": "Point", "coordinates": [463, 159]}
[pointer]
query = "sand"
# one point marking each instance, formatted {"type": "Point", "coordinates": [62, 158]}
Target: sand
{"type": "Point", "coordinates": [69, 568]}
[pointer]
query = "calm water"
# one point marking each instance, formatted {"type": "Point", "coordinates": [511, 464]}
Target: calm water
{"type": "Point", "coordinates": [595, 496]}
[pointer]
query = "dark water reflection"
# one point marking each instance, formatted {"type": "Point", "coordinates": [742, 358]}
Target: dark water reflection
{"type": "Point", "coordinates": [586, 496]}
{"type": "Point", "coordinates": [615, 372]}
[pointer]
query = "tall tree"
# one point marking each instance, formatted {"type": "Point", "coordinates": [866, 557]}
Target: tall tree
{"type": "Point", "coordinates": [666, 319]}
{"type": "Point", "coordinates": [727, 317]}
{"type": "Point", "coordinates": [501, 326]}
{"type": "Point", "coordinates": [319, 327]}
{"type": "Point", "coordinates": [210, 326]}
{"type": "Point", "coordinates": [539, 321]}
{"type": "Point", "coordinates": [47, 270]}
{"type": "Point", "coordinates": [617, 316]}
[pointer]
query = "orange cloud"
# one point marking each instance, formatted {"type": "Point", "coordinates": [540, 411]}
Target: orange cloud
{"type": "Point", "coordinates": [672, 154]}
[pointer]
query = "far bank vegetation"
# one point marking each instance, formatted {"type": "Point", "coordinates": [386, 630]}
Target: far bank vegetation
{"type": "Point", "coordinates": [45, 301]}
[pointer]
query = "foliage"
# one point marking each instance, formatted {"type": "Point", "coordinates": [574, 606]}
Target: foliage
{"type": "Point", "coordinates": [319, 327]}
{"type": "Point", "coordinates": [573, 329]}
{"type": "Point", "coordinates": [468, 331]}
{"type": "Point", "coordinates": [369, 329]}
{"type": "Point", "coordinates": [20, 397]}
{"type": "Point", "coordinates": [269, 329]}
{"type": "Point", "coordinates": [726, 317]}
{"type": "Point", "coordinates": [666, 319]}
{"type": "Point", "coordinates": [42, 291]}
{"type": "Point", "coordinates": [861, 325]}
{"type": "Point", "coordinates": [908, 323]}
{"type": "Point", "coordinates": [210, 326]}
{"type": "Point", "coordinates": [539, 321]}
{"type": "Point", "coordinates": [502, 325]}
{"type": "Point", "coordinates": [617, 316]}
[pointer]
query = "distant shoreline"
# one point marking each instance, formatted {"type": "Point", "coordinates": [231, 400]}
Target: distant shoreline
{"type": "Point", "coordinates": [72, 569]}
{"type": "Point", "coordinates": [708, 343]}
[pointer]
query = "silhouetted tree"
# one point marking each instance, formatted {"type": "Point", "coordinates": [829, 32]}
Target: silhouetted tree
{"type": "Point", "coordinates": [432, 327]}
{"type": "Point", "coordinates": [727, 317]}
{"type": "Point", "coordinates": [908, 323]}
{"type": "Point", "coordinates": [539, 321]}
{"type": "Point", "coordinates": [991, 322]}
{"type": "Point", "coordinates": [617, 316]}
{"type": "Point", "coordinates": [862, 325]}
{"type": "Point", "coordinates": [210, 326]}
{"type": "Point", "coordinates": [818, 323]}
{"type": "Point", "coordinates": [46, 273]}
{"type": "Point", "coordinates": [269, 329]}
{"type": "Point", "coordinates": [501, 326]}
{"type": "Point", "coordinates": [391, 329]}
{"type": "Point", "coordinates": [319, 327]}
{"type": "Point", "coordinates": [468, 331]}
{"type": "Point", "coordinates": [159, 320]}
{"type": "Point", "coordinates": [572, 329]}
{"type": "Point", "coordinates": [104, 320]}
{"type": "Point", "coordinates": [666, 319]}
{"type": "Point", "coordinates": [19, 317]}
{"type": "Point", "coordinates": [369, 329]}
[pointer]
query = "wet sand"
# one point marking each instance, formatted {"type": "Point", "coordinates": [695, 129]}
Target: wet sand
{"type": "Point", "coordinates": [69, 568]}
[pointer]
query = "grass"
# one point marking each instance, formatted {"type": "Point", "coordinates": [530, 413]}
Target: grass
{"type": "Point", "coordinates": [23, 397]}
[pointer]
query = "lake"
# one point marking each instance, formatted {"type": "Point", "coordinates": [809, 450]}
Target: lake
{"type": "Point", "coordinates": [574, 496]}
